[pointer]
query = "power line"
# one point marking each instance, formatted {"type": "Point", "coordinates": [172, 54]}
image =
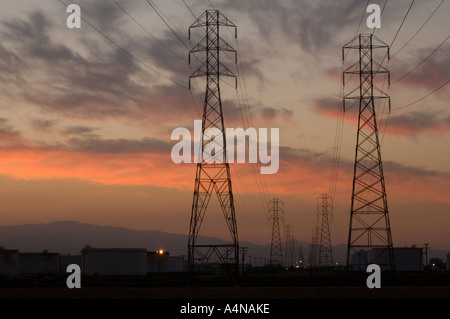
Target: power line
{"type": "Point", "coordinates": [127, 52]}
{"type": "Point", "coordinates": [163, 45]}
{"type": "Point", "coordinates": [396, 34]}
{"type": "Point", "coordinates": [418, 29]}
{"type": "Point", "coordinates": [382, 10]}
{"type": "Point", "coordinates": [211, 4]}
{"type": "Point", "coordinates": [189, 9]}
{"type": "Point", "coordinates": [406, 15]}
{"type": "Point", "coordinates": [362, 18]}
{"type": "Point", "coordinates": [360, 22]}
{"type": "Point", "coordinates": [423, 97]}
{"type": "Point", "coordinates": [247, 111]}
{"type": "Point", "coordinates": [164, 20]}
{"type": "Point", "coordinates": [422, 62]}
{"type": "Point", "coordinates": [146, 31]}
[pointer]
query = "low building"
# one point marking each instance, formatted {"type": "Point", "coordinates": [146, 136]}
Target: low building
{"type": "Point", "coordinates": [66, 260]}
{"type": "Point", "coordinates": [405, 258]}
{"type": "Point", "coordinates": [359, 260]}
{"type": "Point", "coordinates": [447, 262]}
{"type": "Point", "coordinates": [9, 262]}
{"type": "Point", "coordinates": [177, 264]}
{"type": "Point", "coordinates": [38, 263]}
{"type": "Point", "coordinates": [114, 261]}
{"type": "Point", "coordinates": [437, 264]}
{"type": "Point", "coordinates": [158, 261]}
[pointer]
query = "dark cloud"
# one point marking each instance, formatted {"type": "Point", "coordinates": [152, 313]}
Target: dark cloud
{"type": "Point", "coordinates": [104, 13]}
{"type": "Point", "coordinates": [79, 130]}
{"type": "Point", "coordinates": [105, 82]}
{"type": "Point", "coordinates": [418, 123]}
{"type": "Point", "coordinates": [34, 32]}
{"type": "Point", "coordinates": [45, 126]}
{"type": "Point", "coordinates": [409, 124]}
{"type": "Point", "coordinates": [11, 138]}
{"type": "Point", "coordinates": [430, 74]}
{"type": "Point", "coordinates": [10, 66]}
{"type": "Point", "coordinates": [169, 54]}
{"type": "Point", "coordinates": [310, 24]}
{"type": "Point", "coordinates": [329, 107]}
{"type": "Point", "coordinates": [395, 168]}
{"type": "Point", "coordinates": [119, 146]}
{"type": "Point", "coordinates": [268, 114]}
{"type": "Point", "coordinates": [238, 114]}
{"type": "Point", "coordinates": [6, 128]}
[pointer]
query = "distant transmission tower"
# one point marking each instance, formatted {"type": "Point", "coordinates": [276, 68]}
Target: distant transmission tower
{"type": "Point", "coordinates": [300, 257]}
{"type": "Point", "coordinates": [324, 210]}
{"type": "Point", "coordinates": [313, 258]}
{"type": "Point", "coordinates": [213, 175]}
{"type": "Point", "coordinates": [290, 246]}
{"type": "Point", "coordinates": [369, 239]}
{"type": "Point", "coordinates": [276, 214]}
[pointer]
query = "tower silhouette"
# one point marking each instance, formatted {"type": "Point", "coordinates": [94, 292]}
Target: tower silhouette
{"type": "Point", "coordinates": [313, 258]}
{"type": "Point", "coordinates": [324, 211]}
{"type": "Point", "coordinates": [290, 246]}
{"type": "Point", "coordinates": [213, 173]}
{"type": "Point", "coordinates": [369, 238]}
{"type": "Point", "coordinates": [276, 214]}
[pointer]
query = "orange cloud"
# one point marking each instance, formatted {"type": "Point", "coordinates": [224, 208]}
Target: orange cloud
{"type": "Point", "coordinates": [301, 172]}
{"type": "Point", "coordinates": [134, 168]}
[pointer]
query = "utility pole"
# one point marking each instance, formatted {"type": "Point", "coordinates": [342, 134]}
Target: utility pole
{"type": "Point", "coordinates": [324, 210]}
{"type": "Point", "coordinates": [426, 255]}
{"type": "Point", "coordinates": [276, 214]}
{"type": "Point", "coordinates": [370, 230]}
{"type": "Point", "coordinates": [243, 252]}
{"type": "Point", "coordinates": [213, 174]}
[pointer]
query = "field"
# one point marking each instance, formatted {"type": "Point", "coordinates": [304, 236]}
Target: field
{"type": "Point", "coordinates": [289, 285]}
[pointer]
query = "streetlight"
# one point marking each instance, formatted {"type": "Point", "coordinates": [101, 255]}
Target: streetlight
{"type": "Point", "coordinates": [160, 253]}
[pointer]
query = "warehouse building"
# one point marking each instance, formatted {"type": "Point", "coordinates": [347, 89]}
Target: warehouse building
{"type": "Point", "coordinates": [405, 259]}
{"type": "Point", "coordinates": [38, 263]}
{"type": "Point", "coordinates": [9, 262]}
{"type": "Point", "coordinates": [158, 261]}
{"type": "Point", "coordinates": [114, 261]}
{"type": "Point", "coordinates": [66, 260]}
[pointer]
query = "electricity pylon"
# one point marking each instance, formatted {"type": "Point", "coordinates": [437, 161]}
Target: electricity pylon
{"type": "Point", "coordinates": [324, 211]}
{"type": "Point", "coordinates": [369, 231]}
{"type": "Point", "coordinates": [276, 214]}
{"type": "Point", "coordinates": [290, 246]}
{"type": "Point", "coordinates": [313, 258]}
{"type": "Point", "coordinates": [213, 173]}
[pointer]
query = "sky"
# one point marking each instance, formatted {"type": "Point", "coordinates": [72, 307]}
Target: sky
{"type": "Point", "coordinates": [86, 114]}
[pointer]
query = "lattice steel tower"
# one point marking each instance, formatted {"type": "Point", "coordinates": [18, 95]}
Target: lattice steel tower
{"type": "Point", "coordinates": [313, 258]}
{"type": "Point", "coordinates": [213, 174]}
{"type": "Point", "coordinates": [369, 229]}
{"type": "Point", "coordinates": [276, 215]}
{"type": "Point", "coordinates": [290, 245]}
{"type": "Point", "coordinates": [324, 211]}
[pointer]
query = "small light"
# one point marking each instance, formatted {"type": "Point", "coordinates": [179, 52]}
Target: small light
{"type": "Point", "coordinates": [161, 251]}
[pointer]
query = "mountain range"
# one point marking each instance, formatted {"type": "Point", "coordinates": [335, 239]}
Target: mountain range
{"type": "Point", "coordinates": [70, 237]}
